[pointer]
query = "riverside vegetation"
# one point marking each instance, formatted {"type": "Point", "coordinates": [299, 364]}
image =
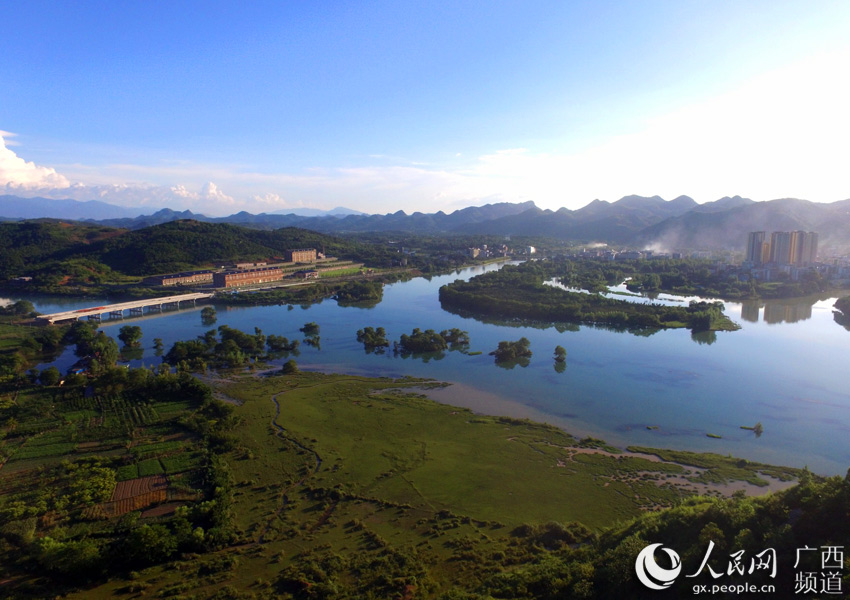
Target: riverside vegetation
{"type": "Point", "coordinates": [841, 314]}
{"type": "Point", "coordinates": [520, 292]}
{"type": "Point", "coordinates": [304, 485]}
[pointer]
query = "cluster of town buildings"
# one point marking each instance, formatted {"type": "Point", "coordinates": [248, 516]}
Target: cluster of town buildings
{"type": "Point", "coordinates": [783, 248]}
{"type": "Point", "coordinates": [609, 254]}
{"type": "Point", "coordinates": [790, 254]}
{"type": "Point", "coordinates": [242, 274]}
{"type": "Point", "coordinates": [787, 255]}
{"type": "Point", "coordinates": [485, 251]}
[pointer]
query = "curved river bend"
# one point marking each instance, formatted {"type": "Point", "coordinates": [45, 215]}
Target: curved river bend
{"type": "Point", "coordinates": [786, 368]}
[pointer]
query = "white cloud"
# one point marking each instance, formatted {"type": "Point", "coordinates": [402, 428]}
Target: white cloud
{"type": "Point", "coordinates": [9, 138]}
{"type": "Point", "coordinates": [16, 174]}
{"type": "Point", "coordinates": [210, 194]}
{"type": "Point", "coordinates": [208, 200]}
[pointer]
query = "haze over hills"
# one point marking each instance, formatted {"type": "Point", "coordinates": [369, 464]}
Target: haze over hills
{"type": "Point", "coordinates": [726, 228]}
{"type": "Point", "coordinates": [15, 207]}
{"type": "Point", "coordinates": [632, 220]}
{"type": "Point", "coordinates": [339, 211]}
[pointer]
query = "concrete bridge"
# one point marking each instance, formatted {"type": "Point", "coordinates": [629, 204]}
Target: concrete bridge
{"type": "Point", "coordinates": [136, 307]}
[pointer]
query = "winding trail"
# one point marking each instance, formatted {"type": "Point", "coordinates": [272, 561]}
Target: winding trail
{"type": "Point", "coordinates": [281, 433]}
{"type": "Point", "coordinates": [284, 495]}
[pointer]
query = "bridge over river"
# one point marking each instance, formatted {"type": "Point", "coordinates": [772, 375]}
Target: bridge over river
{"type": "Point", "coordinates": [136, 307]}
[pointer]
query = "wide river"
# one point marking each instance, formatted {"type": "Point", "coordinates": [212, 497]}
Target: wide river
{"type": "Point", "coordinates": [786, 368]}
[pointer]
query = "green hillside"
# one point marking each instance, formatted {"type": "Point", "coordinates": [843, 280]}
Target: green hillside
{"type": "Point", "coordinates": [79, 258]}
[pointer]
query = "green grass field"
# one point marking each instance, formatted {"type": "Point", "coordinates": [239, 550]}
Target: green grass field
{"type": "Point", "coordinates": [342, 482]}
{"type": "Point", "coordinates": [354, 469]}
{"type": "Point", "coordinates": [340, 272]}
{"type": "Point", "coordinates": [378, 442]}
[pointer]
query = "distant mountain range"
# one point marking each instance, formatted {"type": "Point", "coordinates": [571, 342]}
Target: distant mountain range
{"type": "Point", "coordinates": [15, 208]}
{"type": "Point", "coordinates": [632, 220]}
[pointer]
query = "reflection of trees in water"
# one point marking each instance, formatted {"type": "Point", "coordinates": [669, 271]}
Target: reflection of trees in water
{"type": "Point", "coordinates": [560, 367]}
{"type": "Point", "coordinates": [842, 319]}
{"type": "Point", "coordinates": [523, 362]}
{"type": "Point", "coordinates": [423, 356]}
{"type": "Point", "coordinates": [129, 353]}
{"type": "Point", "coordinates": [704, 337]}
{"type": "Point", "coordinates": [559, 326]}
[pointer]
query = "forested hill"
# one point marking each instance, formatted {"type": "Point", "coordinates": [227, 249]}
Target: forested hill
{"type": "Point", "coordinates": [34, 247]}
{"type": "Point", "coordinates": [184, 244]}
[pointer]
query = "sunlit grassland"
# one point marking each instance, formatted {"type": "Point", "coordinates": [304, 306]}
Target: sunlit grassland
{"type": "Point", "coordinates": [356, 475]}
{"type": "Point", "coordinates": [364, 467]}
{"type": "Point", "coordinates": [377, 441]}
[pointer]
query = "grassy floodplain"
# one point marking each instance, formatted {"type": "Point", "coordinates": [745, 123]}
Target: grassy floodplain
{"type": "Point", "coordinates": [343, 484]}
{"type": "Point", "coordinates": [376, 440]}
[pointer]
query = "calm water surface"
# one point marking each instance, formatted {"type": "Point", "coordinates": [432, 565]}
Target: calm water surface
{"type": "Point", "coordinates": [785, 368]}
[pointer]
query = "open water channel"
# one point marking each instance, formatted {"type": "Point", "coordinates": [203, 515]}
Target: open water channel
{"type": "Point", "coordinates": [786, 368]}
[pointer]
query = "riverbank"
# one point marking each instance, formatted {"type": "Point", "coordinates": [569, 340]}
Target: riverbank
{"type": "Point", "coordinates": [726, 478]}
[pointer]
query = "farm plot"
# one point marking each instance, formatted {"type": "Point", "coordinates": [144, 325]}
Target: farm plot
{"type": "Point", "coordinates": [140, 485]}
{"type": "Point", "coordinates": [136, 494]}
{"type": "Point", "coordinates": [55, 443]}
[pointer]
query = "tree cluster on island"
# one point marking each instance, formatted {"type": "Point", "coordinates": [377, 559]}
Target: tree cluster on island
{"type": "Point", "coordinates": [227, 348]}
{"type": "Point", "coordinates": [130, 335]}
{"type": "Point", "coordinates": [560, 354]}
{"type": "Point", "coordinates": [511, 352]}
{"type": "Point", "coordinates": [279, 343]}
{"type": "Point", "coordinates": [520, 292]}
{"type": "Point", "coordinates": [373, 339]}
{"type": "Point", "coordinates": [419, 341]}
{"type": "Point", "coordinates": [309, 329]}
{"type": "Point", "coordinates": [208, 315]}
{"type": "Point", "coordinates": [311, 335]}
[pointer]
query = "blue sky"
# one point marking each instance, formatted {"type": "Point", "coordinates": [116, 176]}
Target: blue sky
{"type": "Point", "coordinates": [381, 106]}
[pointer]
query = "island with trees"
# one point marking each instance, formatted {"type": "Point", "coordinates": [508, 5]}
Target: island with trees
{"type": "Point", "coordinates": [513, 352]}
{"type": "Point", "coordinates": [374, 339]}
{"type": "Point", "coordinates": [431, 341]}
{"type": "Point", "coordinates": [521, 292]}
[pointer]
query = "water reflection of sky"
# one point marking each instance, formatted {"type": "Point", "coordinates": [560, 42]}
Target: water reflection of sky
{"type": "Point", "coordinates": [784, 370]}
{"type": "Point", "coordinates": [770, 312]}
